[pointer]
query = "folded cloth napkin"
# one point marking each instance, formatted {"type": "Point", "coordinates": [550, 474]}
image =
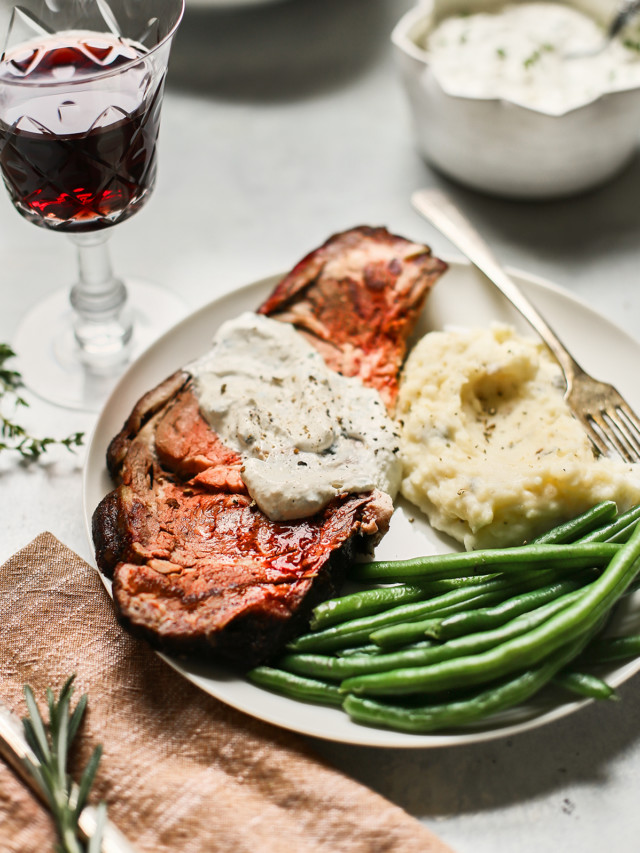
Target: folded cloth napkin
{"type": "Point", "coordinates": [180, 770]}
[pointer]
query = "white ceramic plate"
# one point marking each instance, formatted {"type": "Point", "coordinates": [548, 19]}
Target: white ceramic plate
{"type": "Point", "coordinates": [229, 4]}
{"type": "Point", "coordinates": [462, 297]}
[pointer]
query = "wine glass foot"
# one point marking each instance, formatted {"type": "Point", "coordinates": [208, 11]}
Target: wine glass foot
{"type": "Point", "coordinates": [48, 356]}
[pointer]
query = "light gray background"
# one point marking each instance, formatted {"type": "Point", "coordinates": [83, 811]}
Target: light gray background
{"type": "Point", "coordinates": [283, 124]}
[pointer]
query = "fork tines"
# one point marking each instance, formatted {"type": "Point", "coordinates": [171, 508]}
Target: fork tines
{"type": "Point", "coordinates": [615, 429]}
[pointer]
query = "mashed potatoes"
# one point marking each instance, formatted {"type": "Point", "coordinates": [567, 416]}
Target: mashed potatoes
{"type": "Point", "coordinates": [490, 449]}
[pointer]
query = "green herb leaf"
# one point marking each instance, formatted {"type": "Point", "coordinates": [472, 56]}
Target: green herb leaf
{"type": "Point", "coordinates": [40, 741]}
{"type": "Point", "coordinates": [15, 436]}
{"type": "Point", "coordinates": [51, 744]}
{"type": "Point", "coordinates": [87, 779]}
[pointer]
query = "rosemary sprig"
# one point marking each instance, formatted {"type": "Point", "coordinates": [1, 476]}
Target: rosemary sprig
{"type": "Point", "coordinates": [51, 744]}
{"type": "Point", "coordinates": [13, 436]}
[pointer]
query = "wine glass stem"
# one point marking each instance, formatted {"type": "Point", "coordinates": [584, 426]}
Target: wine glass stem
{"type": "Point", "coordinates": [102, 321]}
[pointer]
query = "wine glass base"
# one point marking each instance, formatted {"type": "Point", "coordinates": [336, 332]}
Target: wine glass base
{"type": "Point", "coordinates": [48, 355]}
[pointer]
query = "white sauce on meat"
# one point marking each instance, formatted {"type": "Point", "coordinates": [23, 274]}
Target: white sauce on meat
{"type": "Point", "coordinates": [523, 54]}
{"type": "Point", "coordinates": [305, 433]}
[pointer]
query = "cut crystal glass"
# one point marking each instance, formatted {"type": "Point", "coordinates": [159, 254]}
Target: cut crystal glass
{"type": "Point", "coordinates": [81, 87]}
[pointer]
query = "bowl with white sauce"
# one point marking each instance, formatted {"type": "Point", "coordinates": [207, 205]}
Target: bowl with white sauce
{"type": "Point", "coordinates": [516, 99]}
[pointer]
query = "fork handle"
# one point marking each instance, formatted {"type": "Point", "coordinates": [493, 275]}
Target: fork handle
{"type": "Point", "coordinates": [438, 209]}
{"type": "Point", "coordinates": [628, 9]}
{"type": "Point", "coordinates": [15, 750]}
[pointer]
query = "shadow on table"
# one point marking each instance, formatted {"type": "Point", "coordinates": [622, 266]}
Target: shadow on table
{"type": "Point", "coordinates": [438, 783]}
{"type": "Point", "coordinates": [281, 51]}
{"type": "Point", "coordinates": [573, 230]}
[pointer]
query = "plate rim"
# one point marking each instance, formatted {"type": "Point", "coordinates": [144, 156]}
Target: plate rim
{"type": "Point", "coordinates": [364, 735]}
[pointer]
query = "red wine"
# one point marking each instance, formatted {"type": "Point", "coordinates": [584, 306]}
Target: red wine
{"type": "Point", "coordinates": [77, 143]}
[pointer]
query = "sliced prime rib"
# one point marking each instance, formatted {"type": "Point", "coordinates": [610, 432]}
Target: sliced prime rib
{"type": "Point", "coordinates": [197, 568]}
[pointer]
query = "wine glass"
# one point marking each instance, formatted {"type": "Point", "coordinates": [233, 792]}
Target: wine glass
{"type": "Point", "coordinates": [81, 87]}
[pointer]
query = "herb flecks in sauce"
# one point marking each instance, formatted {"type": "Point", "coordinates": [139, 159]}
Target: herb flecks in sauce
{"type": "Point", "coordinates": [526, 53]}
{"type": "Point", "coordinates": [284, 409]}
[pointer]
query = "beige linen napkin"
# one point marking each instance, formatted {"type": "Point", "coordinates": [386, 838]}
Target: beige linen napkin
{"type": "Point", "coordinates": [180, 770]}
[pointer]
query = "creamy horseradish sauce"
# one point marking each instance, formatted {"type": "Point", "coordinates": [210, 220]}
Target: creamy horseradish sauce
{"type": "Point", "coordinates": [523, 53]}
{"type": "Point", "coordinates": [305, 433]}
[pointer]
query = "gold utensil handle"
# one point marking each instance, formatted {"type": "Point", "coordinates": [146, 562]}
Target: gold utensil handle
{"type": "Point", "coordinates": [15, 750]}
{"type": "Point", "coordinates": [438, 209]}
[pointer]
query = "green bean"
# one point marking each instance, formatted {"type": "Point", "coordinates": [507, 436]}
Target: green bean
{"type": "Point", "coordinates": [398, 635]}
{"type": "Point", "coordinates": [622, 535]}
{"type": "Point", "coordinates": [523, 651]}
{"type": "Point", "coordinates": [357, 631]}
{"type": "Point", "coordinates": [459, 712]}
{"type": "Point", "coordinates": [368, 601]}
{"type": "Point", "coordinates": [603, 534]}
{"type": "Point", "coordinates": [336, 668]}
{"type": "Point", "coordinates": [585, 684]}
{"type": "Point", "coordinates": [580, 525]}
{"type": "Point", "coordinates": [610, 649]}
{"type": "Point", "coordinates": [364, 603]}
{"type": "Point", "coordinates": [481, 619]}
{"type": "Point", "coordinates": [366, 649]}
{"type": "Point", "coordinates": [305, 689]}
{"type": "Point", "coordinates": [373, 649]}
{"type": "Point", "coordinates": [438, 566]}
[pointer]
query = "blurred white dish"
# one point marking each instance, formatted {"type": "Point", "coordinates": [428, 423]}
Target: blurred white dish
{"type": "Point", "coordinates": [506, 148]}
{"type": "Point", "coordinates": [464, 298]}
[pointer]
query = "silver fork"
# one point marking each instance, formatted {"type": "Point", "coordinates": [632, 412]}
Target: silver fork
{"type": "Point", "coordinates": [607, 418]}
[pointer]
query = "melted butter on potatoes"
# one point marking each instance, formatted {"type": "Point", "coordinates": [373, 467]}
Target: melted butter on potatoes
{"type": "Point", "coordinates": [490, 449]}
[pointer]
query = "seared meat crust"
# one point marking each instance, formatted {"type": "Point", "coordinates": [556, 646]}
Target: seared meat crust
{"type": "Point", "coordinates": [197, 568]}
{"type": "Point", "coordinates": [356, 299]}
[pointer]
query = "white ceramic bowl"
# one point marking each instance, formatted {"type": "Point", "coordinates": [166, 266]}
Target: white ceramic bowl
{"type": "Point", "coordinates": [506, 149]}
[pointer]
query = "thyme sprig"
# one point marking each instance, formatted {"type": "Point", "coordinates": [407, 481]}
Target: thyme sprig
{"type": "Point", "coordinates": [51, 744]}
{"type": "Point", "coordinates": [14, 436]}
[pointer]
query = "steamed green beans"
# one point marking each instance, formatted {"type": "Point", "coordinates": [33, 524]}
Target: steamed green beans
{"type": "Point", "coordinates": [369, 601]}
{"type": "Point", "coordinates": [355, 631]}
{"type": "Point", "coordinates": [438, 566]}
{"type": "Point", "coordinates": [359, 630]}
{"type": "Point", "coordinates": [459, 712]}
{"type": "Point", "coordinates": [608, 531]}
{"type": "Point", "coordinates": [610, 649]}
{"type": "Point", "coordinates": [581, 525]}
{"type": "Point", "coordinates": [332, 668]}
{"type": "Point", "coordinates": [397, 635]}
{"type": "Point", "coordinates": [521, 652]}
{"type": "Point", "coordinates": [493, 626]}
{"type": "Point", "coordinates": [296, 687]}
{"type": "Point", "coordinates": [585, 684]}
{"type": "Point", "coordinates": [484, 618]}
